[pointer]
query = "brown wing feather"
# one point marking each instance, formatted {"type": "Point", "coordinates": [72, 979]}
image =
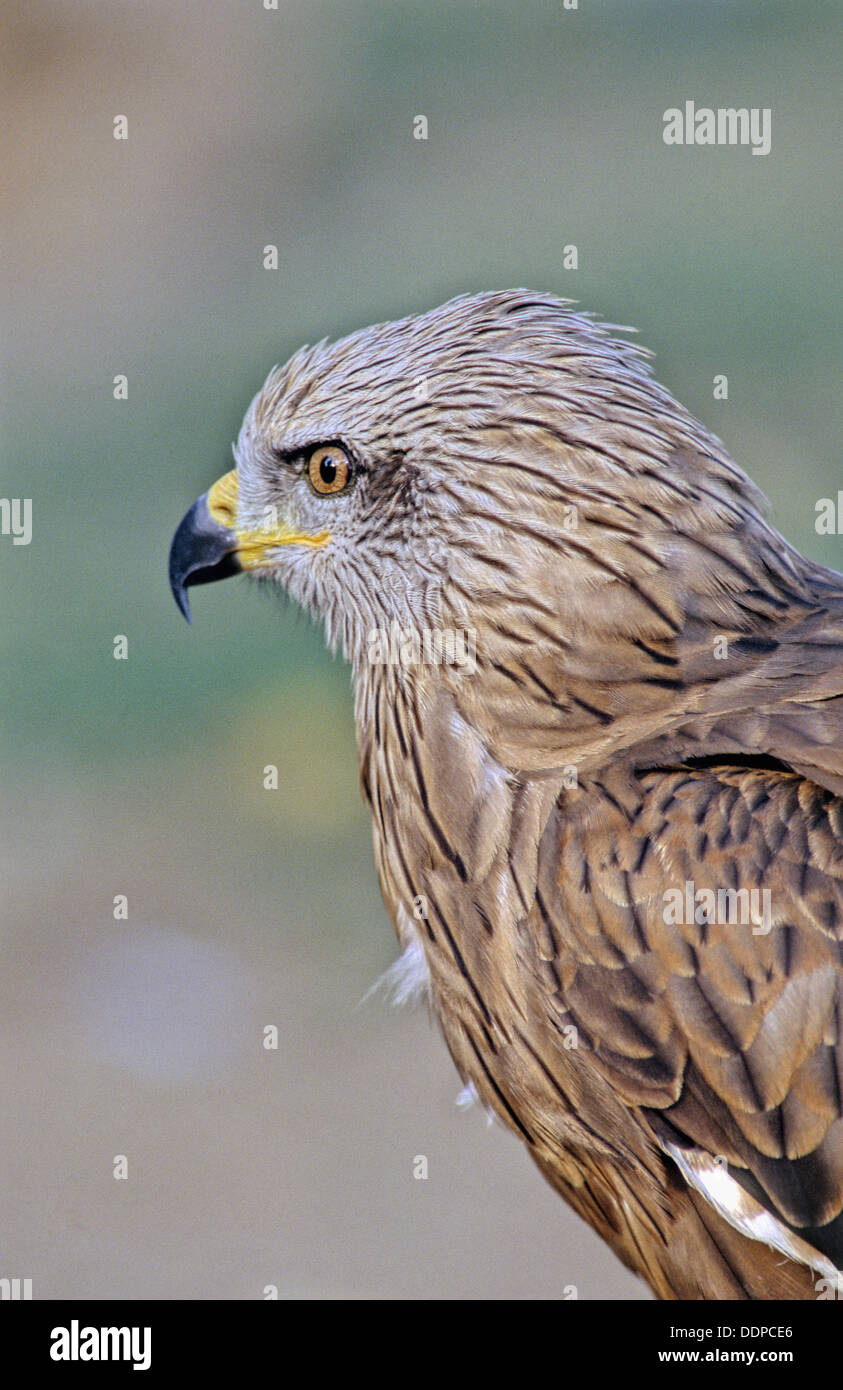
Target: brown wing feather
{"type": "Point", "coordinates": [726, 1035]}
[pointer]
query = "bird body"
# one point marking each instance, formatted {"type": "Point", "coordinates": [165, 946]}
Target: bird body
{"type": "Point", "coordinates": [614, 836]}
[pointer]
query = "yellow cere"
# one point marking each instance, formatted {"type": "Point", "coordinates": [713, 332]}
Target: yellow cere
{"type": "Point", "coordinates": [252, 546]}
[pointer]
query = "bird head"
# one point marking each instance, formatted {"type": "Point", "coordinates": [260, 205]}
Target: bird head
{"type": "Point", "coordinates": [501, 463]}
{"type": "Point", "coordinates": [346, 489]}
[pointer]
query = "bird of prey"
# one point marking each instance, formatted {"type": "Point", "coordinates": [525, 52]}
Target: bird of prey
{"type": "Point", "coordinates": [599, 711]}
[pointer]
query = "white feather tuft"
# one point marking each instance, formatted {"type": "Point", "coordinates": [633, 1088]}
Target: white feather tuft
{"type": "Point", "coordinates": [468, 1097]}
{"type": "Point", "coordinates": [742, 1211]}
{"type": "Point", "coordinates": [407, 981]}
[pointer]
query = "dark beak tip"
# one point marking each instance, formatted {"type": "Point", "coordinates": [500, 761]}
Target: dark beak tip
{"type": "Point", "coordinates": [183, 604]}
{"type": "Point", "coordinates": [178, 582]}
{"type": "Point", "coordinates": [202, 552]}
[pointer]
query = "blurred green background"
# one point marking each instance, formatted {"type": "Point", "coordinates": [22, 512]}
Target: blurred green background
{"type": "Point", "coordinates": [294, 127]}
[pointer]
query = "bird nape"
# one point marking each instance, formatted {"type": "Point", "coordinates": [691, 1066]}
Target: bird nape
{"type": "Point", "coordinates": [599, 708]}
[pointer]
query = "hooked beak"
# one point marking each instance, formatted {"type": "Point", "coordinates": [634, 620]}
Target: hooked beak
{"type": "Point", "coordinates": [204, 547]}
{"type": "Point", "coordinates": [209, 545]}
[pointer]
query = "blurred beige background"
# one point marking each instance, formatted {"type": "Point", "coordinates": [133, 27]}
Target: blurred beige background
{"type": "Point", "coordinates": [144, 777]}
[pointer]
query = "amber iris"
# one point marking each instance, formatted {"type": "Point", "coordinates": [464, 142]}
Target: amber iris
{"type": "Point", "coordinates": [329, 470]}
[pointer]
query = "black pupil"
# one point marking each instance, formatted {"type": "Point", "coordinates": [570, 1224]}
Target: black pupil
{"type": "Point", "coordinates": [328, 470]}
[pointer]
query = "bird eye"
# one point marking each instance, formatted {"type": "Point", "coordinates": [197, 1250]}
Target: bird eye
{"type": "Point", "coordinates": [329, 470]}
